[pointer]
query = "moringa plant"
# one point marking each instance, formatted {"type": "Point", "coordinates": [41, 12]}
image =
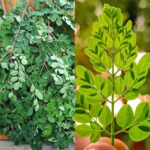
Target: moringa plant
{"type": "Point", "coordinates": [111, 46]}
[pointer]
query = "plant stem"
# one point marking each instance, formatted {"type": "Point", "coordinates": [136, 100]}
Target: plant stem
{"type": "Point", "coordinates": [113, 121]}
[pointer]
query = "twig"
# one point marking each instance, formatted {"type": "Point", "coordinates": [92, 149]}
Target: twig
{"type": "Point", "coordinates": [23, 14]}
{"type": "Point", "coordinates": [49, 29]}
{"type": "Point", "coordinates": [3, 6]}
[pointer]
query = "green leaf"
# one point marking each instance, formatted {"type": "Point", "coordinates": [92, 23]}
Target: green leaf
{"type": "Point", "coordinates": [99, 67]}
{"type": "Point", "coordinates": [131, 94]}
{"type": "Point", "coordinates": [87, 90]}
{"type": "Point", "coordinates": [129, 79]}
{"type": "Point", "coordinates": [125, 116]}
{"type": "Point", "coordinates": [107, 88]}
{"type": "Point", "coordinates": [13, 72]}
{"type": "Point", "coordinates": [98, 81]}
{"type": "Point", "coordinates": [119, 85]}
{"type": "Point", "coordinates": [47, 131]}
{"type": "Point", "coordinates": [105, 116]}
{"type": "Point", "coordinates": [63, 2]}
{"type": "Point", "coordinates": [140, 132]}
{"type": "Point", "coordinates": [17, 86]}
{"type": "Point", "coordinates": [4, 65]}
{"type": "Point", "coordinates": [38, 94]}
{"type": "Point", "coordinates": [95, 137]}
{"type": "Point", "coordinates": [14, 79]}
{"type": "Point", "coordinates": [144, 63]}
{"type": "Point", "coordinates": [86, 77]}
{"type": "Point", "coordinates": [119, 60]}
{"type": "Point", "coordinates": [32, 89]}
{"type": "Point", "coordinates": [95, 110]}
{"type": "Point", "coordinates": [59, 22]}
{"type": "Point", "coordinates": [22, 79]}
{"type": "Point", "coordinates": [141, 112]}
{"type": "Point", "coordinates": [29, 112]}
{"type": "Point", "coordinates": [24, 61]}
{"type": "Point", "coordinates": [129, 25]}
{"type": "Point", "coordinates": [37, 107]}
{"type": "Point", "coordinates": [109, 42]}
{"type": "Point", "coordinates": [51, 119]}
{"type": "Point", "coordinates": [83, 117]}
{"type": "Point", "coordinates": [95, 126]}
{"type": "Point", "coordinates": [83, 130]}
{"type": "Point", "coordinates": [94, 98]}
{"type": "Point", "coordinates": [11, 94]}
{"type": "Point", "coordinates": [35, 102]}
{"type": "Point", "coordinates": [137, 135]}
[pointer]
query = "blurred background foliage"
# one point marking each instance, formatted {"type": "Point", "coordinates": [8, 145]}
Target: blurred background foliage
{"type": "Point", "coordinates": [87, 12]}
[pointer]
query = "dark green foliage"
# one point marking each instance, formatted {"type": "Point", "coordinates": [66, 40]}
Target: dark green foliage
{"type": "Point", "coordinates": [37, 79]}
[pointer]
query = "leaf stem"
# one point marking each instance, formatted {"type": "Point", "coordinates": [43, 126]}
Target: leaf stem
{"type": "Point", "coordinates": [113, 121]}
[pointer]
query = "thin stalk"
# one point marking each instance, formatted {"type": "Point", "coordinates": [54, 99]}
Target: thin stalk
{"type": "Point", "coordinates": [113, 121]}
{"type": "Point", "coordinates": [3, 7]}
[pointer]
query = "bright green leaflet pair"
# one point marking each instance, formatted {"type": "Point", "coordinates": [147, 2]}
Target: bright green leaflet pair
{"type": "Point", "coordinates": [111, 45]}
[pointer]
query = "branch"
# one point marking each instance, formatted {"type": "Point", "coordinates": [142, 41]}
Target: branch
{"type": "Point", "coordinates": [3, 6]}
{"type": "Point", "coordinates": [23, 14]}
{"type": "Point", "coordinates": [49, 29]}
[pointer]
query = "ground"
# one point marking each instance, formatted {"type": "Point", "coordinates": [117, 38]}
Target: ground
{"type": "Point", "coordinates": [8, 145]}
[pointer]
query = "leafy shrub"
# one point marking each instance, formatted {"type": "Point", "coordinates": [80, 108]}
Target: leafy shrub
{"type": "Point", "coordinates": [110, 45]}
{"type": "Point", "coordinates": [37, 74]}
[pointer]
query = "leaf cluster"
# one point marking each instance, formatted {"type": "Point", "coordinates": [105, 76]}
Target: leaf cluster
{"type": "Point", "coordinates": [36, 79]}
{"type": "Point", "coordinates": [111, 45]}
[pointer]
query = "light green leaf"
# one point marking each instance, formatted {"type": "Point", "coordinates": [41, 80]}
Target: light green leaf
{"type": "Point", "coordinates": [99, 67]}
{"type": "Point", "coordinates": [125, 116]}
{"type": "Point", "coordinates": [29, 112]}
{"type": "Point", "coordinates": [83, 130]}
{"type": "Point", "coordinates": [129, 25]}
{"type": "Point", "coordinates": [59, 22]}
{"type": "Point", "coordinates": [37, 107]}
{"type": "Point", "coordinates": [4, 65]}
{"type": "Point", "coordinates": [13, 72]}
{"type": "Point", "coordinates": [144, 63]}
{"type": "Point", "coordinates": [131, 94]}
{"type": "Point", "coordinates": [140, 132]}
{"type": "Point", "coordinates": [35, 102]}
{"type": "Point", "coordinates": [119, 60]}
{"type": "Point", "coordinates": [47, 131]}
{"type": "Point", "coordinates": [24, 61]}
{"type": "Point", "coordinates": [32, 89]}
{"type": "Point", "coordinates": [85, 75]}
{"type": "Point", "coordinates": [11, 94]}
{"type": "Point", "coordinates": [14, 79]}
{"type": "Point", "coordinates": [142, 112]}
{"type": "Point", "coordinates": [107, 88]}
{"type": "Point", "coordinates": [22, 79]}
{"type": "Point", "coordinates": [95, 137]}
{"type": "Point", "coordinates": [98, 81]}
{"type": "Point", "coordinates": [94, 98]}
{"type": "Point", "coordinates": [61, 108]}
{"type": "Point", "coordinates": [129, 79]}
{"type": "Point", "coordinates": [82, 117]}
{"type": "Point", "coordinates": [38, 94]}
{"type": "Point", "coordinates": [95, 110]}
{"type": "Point", "coordinates": [95, 126]}
{"type": "Point", "coordinates": [105, 116]}
{"type": "Point", "coordinates": [17, 85]}
{"type": "Point", "coordinates": [119, 85]}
